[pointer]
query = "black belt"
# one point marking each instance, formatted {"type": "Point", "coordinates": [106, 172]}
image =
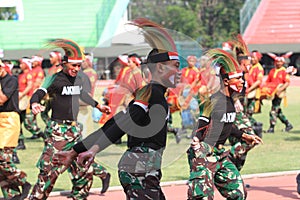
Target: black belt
{"type": "Point", "coordinates": [65, 121]}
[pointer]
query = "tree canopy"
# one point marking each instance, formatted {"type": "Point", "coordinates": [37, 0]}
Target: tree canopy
{"type": "Point", "coordinates": [209, 22]}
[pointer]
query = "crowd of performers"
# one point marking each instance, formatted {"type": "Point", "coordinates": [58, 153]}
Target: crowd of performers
{"type": "Point", "coordinates": [216, 96]}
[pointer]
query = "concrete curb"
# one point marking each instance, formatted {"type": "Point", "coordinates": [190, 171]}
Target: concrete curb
{"type": "Point", "coordinates": [184, 182]}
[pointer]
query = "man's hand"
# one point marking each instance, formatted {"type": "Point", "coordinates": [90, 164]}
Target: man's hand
{"type": "Point", "coordinates": [104, 109]}
{"type": "Point", "coordinates": [252, 139]}
{"type": "Point", "coordinates": [86, 158]}
{"type": "Point", "coordinates": [64, 158]}
{"type": "Point", "coordinates": [37, 108]}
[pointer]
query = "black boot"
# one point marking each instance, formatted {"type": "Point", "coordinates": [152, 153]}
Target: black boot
{"type": "Point", "coordinates": [38, 135]}
{"type": "Point", "coordinates": [34, 136]}
{"type": "Point", "coordinates": [298, 183]}
{"type": "Point", "coordinates": [25, 190]}
{"type": "Point", "coordinates": [271, 129]}
{"type": "Point", "coordinates": [105, 183]}
{"type": "Point", "coordinates": [288, 126]}
{"type": "Point", "coordinates": [21, 145]}
{"type": "Point", "coordinates": [257, 128]}
{"type": "Point", "coordinates": [15, 158]}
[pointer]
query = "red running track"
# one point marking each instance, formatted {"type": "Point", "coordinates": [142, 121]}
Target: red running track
{"type": "Point", "coordinates": [280, 186]}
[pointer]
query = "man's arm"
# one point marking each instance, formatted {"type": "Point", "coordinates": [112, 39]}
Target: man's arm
{"type": "Point", "coordinates": [90, 101]}
{"type": "Point", "coordinates": [3, 97]}
{"type": "Point", "coordinates": [27, 89]}
{"type": "Point", "coordinates": [35, 100]}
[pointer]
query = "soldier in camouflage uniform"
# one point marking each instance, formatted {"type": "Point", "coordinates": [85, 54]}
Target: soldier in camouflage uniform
{"type": "Point", "coordinates": [11, 178]}
{"type": "Point", "coordinates": [145, 122]}
{"type": "Point", "coordinates": [63, 130]}
{"type": "Point", "coordinates": [209, 162]}
{"type": "Point", "coordinates": [240, 148]}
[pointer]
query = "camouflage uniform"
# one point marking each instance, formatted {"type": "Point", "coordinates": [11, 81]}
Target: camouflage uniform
{"type": "Point", "coordinates": [140, 174]}
{"type": "Point", "coordinates": [276, 112]}
{"type": "Point", "coordinates": [30, 123]}
{"type": "Point", "coordinates": [60, 137]}
{"type": "Point", "coordinates": [44, 114]}
{"type": "Point", "coordinates": [99, 170]}
{"type": "Point", "coordinates": [250, 109]}
{"type": "Point", "coordinates": [240, 148]}
{"type": "Point", "coordinates": [10, 176]}
{"type": "Point", "coordinates": [211, 166]}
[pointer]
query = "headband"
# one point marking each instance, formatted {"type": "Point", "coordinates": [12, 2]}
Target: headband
{"type": "Point", "coordinates": [163, 57]}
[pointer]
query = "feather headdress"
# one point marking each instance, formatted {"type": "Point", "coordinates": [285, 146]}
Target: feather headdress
{"type": "Point", "coordinates": [159, 39]}
{"type": "Point", "coordinates": [73, 52]}
{"type": "Point", "coordinates": [240, 48]}
{"type": "Point", "coordinates": [155, 35]}
{"type": "Point", "coordinates": [229, 67]}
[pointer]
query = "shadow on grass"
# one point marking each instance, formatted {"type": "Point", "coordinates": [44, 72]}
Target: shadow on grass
{"type": "Point", "coordinates": [292, 138]}
{"type": "Point", "coordinates": [294, 132]}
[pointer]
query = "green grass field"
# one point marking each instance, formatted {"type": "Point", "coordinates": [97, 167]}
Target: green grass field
{"type": "Point", "coordinates": [280, 151]}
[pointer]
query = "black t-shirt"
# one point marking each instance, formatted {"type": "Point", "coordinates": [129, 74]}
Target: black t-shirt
{"type": "Point", "coordinates": [64, 93]}
{"type": "Point", "coordinates": [10, 87]}
{"type": "Point", "coordinates": [222, 117]}
{"type": "Point", "coordinates": [143, 127]}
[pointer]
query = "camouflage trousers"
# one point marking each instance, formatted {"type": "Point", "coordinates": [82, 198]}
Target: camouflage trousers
{"type": "Point", "coordinates": [240, 148]}
{"type": "Point", "coordinates": [30, 123]}
{"type": "Point", "coordinates": [140, 174]}
{"type": "Point", "coordinates": [11, 178]}
{"type": "Point", "coordinates": [61, 137]}
{"type": "Point", "coordinates": [45, 114]}
{"type": "Point", "coordinates": [99, 171]}
{"type": "Point", "coordinates": [250, 110]}
{"type": "Point", "coordinates": [276, 112]}
{"type": "Point", "coordinates": [213, 168]}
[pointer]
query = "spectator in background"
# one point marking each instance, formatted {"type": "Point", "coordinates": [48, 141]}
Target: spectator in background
{"type": "Point", "coordinates": [89, 76]}
{"type": "Point", "coordinates": [254, 83]}
{"type": "Point", "coordinates": [25, 80]}
{"type": "Point", "coordinates": [277, 83]}
{"type": "Point", "coordinates": [38, 75]}
{"type": "Point", "coordinates": [189, 79]}
{"type": "Point", "coordinates": [55, 60]}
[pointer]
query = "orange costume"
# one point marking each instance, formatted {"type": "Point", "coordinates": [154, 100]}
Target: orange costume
{"type": "Point", "coordinates": [256, 72]}
{"type": "Point", "coordinates": [37, 73]}
{"type": "Point", "coordinates": [93, 76]}
{"type": "Point", "coordinates": [23, 80]}
{"type": "Point", "coordinates": [275, 78]}
{"type": "Point", "coordinates": [119, 95]}
{"type": "Point", "coordinates": [189, 75]}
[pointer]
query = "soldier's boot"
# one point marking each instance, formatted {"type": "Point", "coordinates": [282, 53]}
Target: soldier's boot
{"type": "Point", "coordinates": [15, 158]}
{"type": "Point", "coordinates": [176, 133]}
{"type": "Point", "coordinates": [105, 183]}
{"type": "Point", "coordinates": [25, 190]}
{"type": "Point", "coordinates": [39, 135]}
{"type": "Point", "coordinates": [288, 126]}
{"type": "Point", "coordinates": [298, 183]}
{"type": "Point", "coordinates": [21, 145]}
{"type": "Point", "coordinates": [271, 129]}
